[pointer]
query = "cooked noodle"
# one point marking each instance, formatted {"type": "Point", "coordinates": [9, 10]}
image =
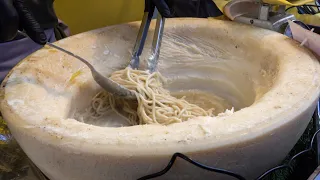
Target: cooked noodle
{"type": "Point", "coordinates": [154, 104]}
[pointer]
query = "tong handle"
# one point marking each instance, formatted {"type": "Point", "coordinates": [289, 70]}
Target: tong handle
{"type": "Point", "coordinates": [156, 44]}
{"type": "Point", "coordinates": [141, 38]}
{"type": "Point", "coordinates": [142, 35]}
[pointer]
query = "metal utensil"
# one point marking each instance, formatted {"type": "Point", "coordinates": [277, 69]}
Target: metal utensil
{"type": "Point", "coordinates": [106, 83]}
{"type": "Point", "coordinates": [258, 13]}
{"type": "Point", "coordinates": [113, 87]}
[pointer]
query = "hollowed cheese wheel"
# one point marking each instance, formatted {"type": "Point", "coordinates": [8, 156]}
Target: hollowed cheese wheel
{"type": "Point", "coordinates": [272, 82]}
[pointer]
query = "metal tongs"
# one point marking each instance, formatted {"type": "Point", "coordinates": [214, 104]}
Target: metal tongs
{"type": "Point", "coordinates": [115, 88]}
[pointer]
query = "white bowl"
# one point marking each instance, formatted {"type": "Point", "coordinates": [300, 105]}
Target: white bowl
{"type": "Point", "coordinates": [272, 82]}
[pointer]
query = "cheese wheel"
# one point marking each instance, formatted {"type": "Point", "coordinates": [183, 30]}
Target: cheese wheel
{"type": "Point", "coordinates": [270, 80]}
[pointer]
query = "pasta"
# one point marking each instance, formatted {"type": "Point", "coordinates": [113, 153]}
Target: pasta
{"type": "Point", "coordinates": [154, 104]}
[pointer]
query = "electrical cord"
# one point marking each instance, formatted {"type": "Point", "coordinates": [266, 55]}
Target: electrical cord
{"type": "Point", "coordinates": [289, 164]}
{"type": "Point", "coordinates": [186, 158]}
{"type": "Point", "coordinates": [229, 173]}
{"type": "Point", "coordinates": [317, 2]}
{"type": "Point", "coordinates": [306, 9]}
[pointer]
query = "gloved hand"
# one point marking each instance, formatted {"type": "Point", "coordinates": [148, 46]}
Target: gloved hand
{"type": "Point", "coordinates": [14, 16]}
{"type": "Point", "coordinates": [161, 5]}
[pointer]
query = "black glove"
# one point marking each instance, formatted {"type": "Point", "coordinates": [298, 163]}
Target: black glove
{"type": "Point", "coordinates": [161, 5]}
{"type": "Point", "coordinates": [15, 13]}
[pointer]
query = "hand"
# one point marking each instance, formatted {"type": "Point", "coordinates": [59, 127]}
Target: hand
{"type": "Point", "coordinates": [161, 5]}
{"type": "Point", "coordinates": [14, 13]}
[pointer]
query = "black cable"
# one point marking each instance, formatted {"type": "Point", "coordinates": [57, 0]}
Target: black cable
{"type": "Point", "coordinates": [317, 2]}
{"type": "Point", "coordinates": [301, 10]}
{"type": "Point", "coordinates": [226, 172]}
{"type": "Point", "coordinates": [272, 170]}
{"type": "Point", "coordinates": [304, 7]}
{"type": "Point", "coordinates": [186, 158]}
{"type": "Point", "coordinates": [312, 10]}
{"type": "Point", "coordinates": [288, 165]}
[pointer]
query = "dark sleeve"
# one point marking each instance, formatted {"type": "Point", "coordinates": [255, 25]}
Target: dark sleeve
{"type": "Point", "coordinates": [194, 8]}
{"type": "Point", "coordinates": [43, 12]}
{"type": "Point", "coordinates": [9, 21]}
